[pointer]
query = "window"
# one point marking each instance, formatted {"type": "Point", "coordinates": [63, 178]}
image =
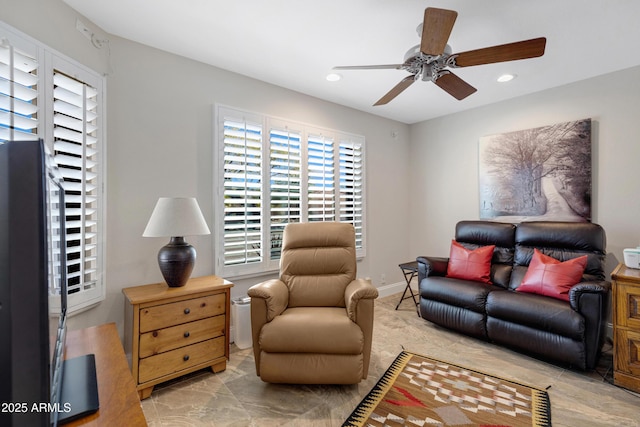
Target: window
{"type": "Point", "coordinates": [272, 172]}
{"type": "Point", "coordinates": [45, 95]}
{"type": "Point", "coordinates": [320, 178]}
{"type": "Point", "coordinates": [351, 186]}
{"type": "Point", "coordinates": [76, 144]}
{"type": "Point", "coordinates": [19, 85]}
{"type": "Point", "coordinates": [285, 178]}
{"type": "Point", "coordinates": [242, 192]}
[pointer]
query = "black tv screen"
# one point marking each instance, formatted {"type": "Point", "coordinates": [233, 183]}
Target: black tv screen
{"type": "Point", "coordinates": [32, 285]}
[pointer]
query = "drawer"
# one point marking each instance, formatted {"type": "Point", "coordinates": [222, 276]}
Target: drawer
{"type": "Point", "coordinates": [180, 359]}
{"type": "Point", "coordinates": [628, 305]}
{"type": "Point", "coordinates": [176, 313]}
{"type": "Point", "coordinates": [627, 351]}
{"type": "Point", "coordinates": [162, 340]}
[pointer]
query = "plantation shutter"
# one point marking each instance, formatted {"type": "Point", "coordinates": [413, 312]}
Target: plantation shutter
{"type": "Point", "coordinates": [321, 180]}
{"type": "Point", "coordinates": [40, 100]}
{"type": "Point", "coordinates": [18, 93]}
{"type": "Point", "coordinates": [75, 106]}
{"type": "Point", "coordinates": [285, 157]}
{"type": "Point", "coordinates": [272, 172]}
{"type": "Point", "coordinates": [55, 250]}
{"type": "Point", "coordinates": [351, 186]}
{"type": "Point", "coordinates": [242, 192]}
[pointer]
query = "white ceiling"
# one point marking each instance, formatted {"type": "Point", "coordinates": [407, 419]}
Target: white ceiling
{"type": "Point", "coordinates": [295, 43]}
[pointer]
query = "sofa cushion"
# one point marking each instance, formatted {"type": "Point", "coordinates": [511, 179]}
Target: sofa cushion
{"type": "Point", "coordinates": [460, 293]}
{"type": "Point", "coordinates": [475, 234]}
{"type": "Point", "coordinates": [457, 318]}
{"type": "Point", "coordinates": [562, 241]}
{"type": "Point", "coordinates": [327, 330]}
{"type": "Point", "coordinates": [470, 264]}
{"type": "Point", "coordinates": [550, 277]}
{"type": "Point", "coordinates": [484, 233]}
{"type": "Point", "coordinates": [547, 345]}
{"type": "Point", "coordinates": [536, 311]}
{"type": "Point", "coordinates": [318, 262]}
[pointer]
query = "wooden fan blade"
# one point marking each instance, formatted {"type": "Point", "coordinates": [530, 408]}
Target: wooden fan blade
{"type": "Point", "coordinates": [369, 67]}
{"type": "Point", "coordinates": [505, 52]}
{"type": "Point", "coordinates": [436, 28]}
{"type": "Point", "coordinates": [397, 90]}
{"type": "Point", "coordinates": [454, 85]}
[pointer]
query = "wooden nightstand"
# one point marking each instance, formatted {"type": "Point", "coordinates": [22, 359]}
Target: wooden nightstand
{"type": "Point", "coordinates": [170, 332]}
{"type": "Point", "coordinates": [626, 327]}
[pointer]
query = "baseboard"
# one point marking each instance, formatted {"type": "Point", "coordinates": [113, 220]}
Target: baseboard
{"type": "Point", "coordinates": [391, 289]}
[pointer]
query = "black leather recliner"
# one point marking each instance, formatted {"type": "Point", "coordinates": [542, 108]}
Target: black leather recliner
{"type": "Point", "coordinates": [568, 332]}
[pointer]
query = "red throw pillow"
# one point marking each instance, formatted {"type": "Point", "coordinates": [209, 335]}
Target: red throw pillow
{"type": "Point", "coordinates": [470, 264]}
{"type": "Point", "coordinates": [550, 277]}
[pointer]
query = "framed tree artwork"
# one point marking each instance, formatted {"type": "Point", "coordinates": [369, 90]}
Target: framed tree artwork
{"type": "Point", "coordinates": [537, 174]}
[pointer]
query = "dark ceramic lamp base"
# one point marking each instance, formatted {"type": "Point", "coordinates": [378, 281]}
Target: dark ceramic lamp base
{"type": "Point", "coordinates": [176, 261]}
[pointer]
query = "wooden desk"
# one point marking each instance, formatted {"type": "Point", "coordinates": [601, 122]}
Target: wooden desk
{"type": "Point", "coordinates": [117, 393]}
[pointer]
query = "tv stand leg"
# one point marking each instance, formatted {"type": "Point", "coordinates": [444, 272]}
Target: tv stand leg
{"type": "Point", "coordinates": [145, 392]}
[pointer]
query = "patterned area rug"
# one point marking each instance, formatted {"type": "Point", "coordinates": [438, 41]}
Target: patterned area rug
{"type": "Point", "coordinates": [419, 391]}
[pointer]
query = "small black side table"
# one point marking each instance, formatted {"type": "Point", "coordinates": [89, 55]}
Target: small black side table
{"type": "Point", "coordinates": [409, 270]}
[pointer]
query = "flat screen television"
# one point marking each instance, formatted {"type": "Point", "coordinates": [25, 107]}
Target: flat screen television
{"type": "Point", "coordinates": [37, 387]}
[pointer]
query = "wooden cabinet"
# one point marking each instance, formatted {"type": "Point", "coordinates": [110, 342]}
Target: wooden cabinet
{"type": "Point", "coordinates": [626, 327]}
{"type": "Point", "coordinates": [170, 332]}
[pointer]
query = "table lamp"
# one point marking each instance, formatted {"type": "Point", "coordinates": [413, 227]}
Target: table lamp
{"type": "Point", "coordinates": [176, 217]}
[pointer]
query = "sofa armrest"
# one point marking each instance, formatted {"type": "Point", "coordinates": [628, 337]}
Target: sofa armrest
{"type": "Point", "coordinates": [577, 292]}
{"type": "Point", "coordinates": [268, 300]}
{"type": "Point", "coordinates": [359, 298]}
{"type": "Point", "coordinates": [431, 266]}
{"type": "Point", "coordinates": [274, 295]}
{"type": "Point", "coordinates": [591, 300]}
{"type": "Point", "coordinates": [357, 290]}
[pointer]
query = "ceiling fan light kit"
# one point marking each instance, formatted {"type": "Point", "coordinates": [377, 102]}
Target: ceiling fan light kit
{"type": "Point", "coordinates": [433, 57]}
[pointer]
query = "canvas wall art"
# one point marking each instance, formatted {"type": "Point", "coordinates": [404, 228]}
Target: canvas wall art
{"type": "Point", "coordinates": [537, 174]}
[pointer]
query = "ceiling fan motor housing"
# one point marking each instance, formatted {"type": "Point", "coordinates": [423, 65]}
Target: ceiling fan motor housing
{"type": "Point", "coordinates": [424, 66]}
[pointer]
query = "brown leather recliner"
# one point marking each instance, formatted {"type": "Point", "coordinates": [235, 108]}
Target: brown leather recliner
{"type": "Point", "coordinates": [314, 324]}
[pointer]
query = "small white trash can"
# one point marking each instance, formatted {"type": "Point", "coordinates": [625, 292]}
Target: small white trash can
{"type": "Point", "coordinates": [241, 316]}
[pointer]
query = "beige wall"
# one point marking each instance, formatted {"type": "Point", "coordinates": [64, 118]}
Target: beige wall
{"type": "Point", "coordinates": [53, 23]}
{"type": "Point", "coordinates": [159, 143]}
{"type": "Point", "coordinates": [444, 154]}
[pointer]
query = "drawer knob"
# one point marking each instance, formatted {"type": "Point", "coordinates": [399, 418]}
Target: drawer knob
{"type": "Point", "coordinates": [187, 311]}
{"type": "Point", "coordinates": [186, 334]}
{"type": "Point", "coordinates": [185, 357]}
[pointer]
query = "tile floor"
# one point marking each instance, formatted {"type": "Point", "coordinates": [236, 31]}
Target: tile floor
{"type": "Point", "coordinates": [237, 397]}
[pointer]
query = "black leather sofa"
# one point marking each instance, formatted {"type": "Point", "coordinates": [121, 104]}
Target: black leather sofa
{"type": "Point", "coordinates": [570, 333]}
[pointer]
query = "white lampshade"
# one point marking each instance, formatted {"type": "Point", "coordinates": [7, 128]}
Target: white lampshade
{"type": "Point", "coordinates": [176, 216]}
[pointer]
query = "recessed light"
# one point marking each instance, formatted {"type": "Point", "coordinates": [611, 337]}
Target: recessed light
{"type": "Point", "coordinates": [333, 77]}
{"type": "Point", "coordinates": [506, 78]}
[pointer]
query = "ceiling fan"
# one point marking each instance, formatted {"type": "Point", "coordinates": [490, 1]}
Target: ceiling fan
{"type": "Point", "coordinates": [431, 59]}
